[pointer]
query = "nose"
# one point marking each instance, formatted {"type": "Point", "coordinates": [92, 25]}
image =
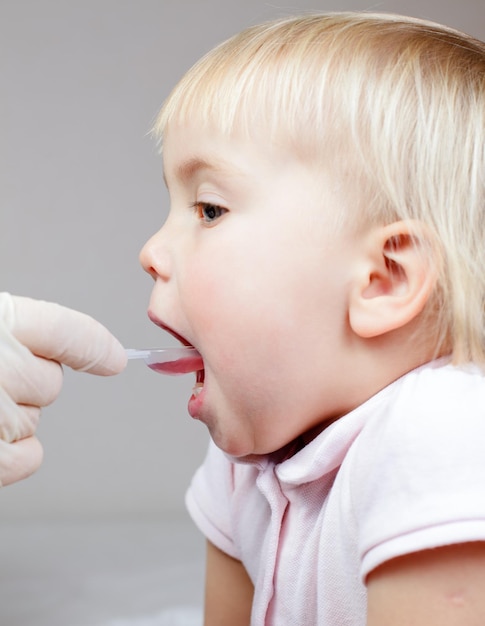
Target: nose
{"type": "Point", "coordinates": [155, 257]}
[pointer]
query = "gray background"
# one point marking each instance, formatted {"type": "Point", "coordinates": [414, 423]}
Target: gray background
{"type": "Point", "coordinates": [81, 190]}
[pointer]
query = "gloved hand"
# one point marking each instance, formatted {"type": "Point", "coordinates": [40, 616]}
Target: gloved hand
{"type": "Point", "coordinates": [35, 338]}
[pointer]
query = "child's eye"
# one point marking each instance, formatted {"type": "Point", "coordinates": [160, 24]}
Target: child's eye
{"type": "Point", "coordinates": [208, 212]}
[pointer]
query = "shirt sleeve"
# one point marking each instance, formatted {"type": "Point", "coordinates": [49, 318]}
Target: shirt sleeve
{"type": "Point", "coordinates": [208, 500]}
{"type": "Point", "coordinates": [420, 469]}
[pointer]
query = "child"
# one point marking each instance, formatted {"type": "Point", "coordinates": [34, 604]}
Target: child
{"type": "Point", "coordinates": [324, 252]}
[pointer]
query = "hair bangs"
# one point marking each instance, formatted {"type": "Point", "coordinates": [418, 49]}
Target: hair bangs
{"type": "Point", "coordinates": [270, 77]}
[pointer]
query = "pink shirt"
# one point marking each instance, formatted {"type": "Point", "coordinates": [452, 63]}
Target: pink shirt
{"type": "Point", "coordinates": [403, 472]}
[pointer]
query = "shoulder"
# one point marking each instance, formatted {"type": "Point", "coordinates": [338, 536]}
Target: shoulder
{"type": "Point", "coordinates": [417, 471]}
{"type": "Point", "coordinates": [435, 405]}
{"type": "Point", "coordinates": [443, 388]}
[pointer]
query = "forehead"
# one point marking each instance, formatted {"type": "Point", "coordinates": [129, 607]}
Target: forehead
{"type": "Point", "coordinates": [191, 148]}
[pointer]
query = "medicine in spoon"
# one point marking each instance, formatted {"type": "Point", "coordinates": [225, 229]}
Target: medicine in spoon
{"type": "Point", "coordinates": [172, 361]}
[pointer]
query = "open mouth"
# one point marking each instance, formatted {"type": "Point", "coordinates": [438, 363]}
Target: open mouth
{"type": "Point", "coordinates": [199, 382]}
{"type": "Point", "coordinates": [193, 362]}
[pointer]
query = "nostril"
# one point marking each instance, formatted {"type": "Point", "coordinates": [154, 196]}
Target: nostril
{"type": "Point", "coordinates": [152, 273]}
{"type": "Point", "coordinates": [150, 270]}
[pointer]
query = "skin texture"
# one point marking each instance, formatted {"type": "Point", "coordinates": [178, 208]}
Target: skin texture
{"type": "Point", "coordinates": [442, 586]}
{"type": "Point", "coordinates": [229, 591]}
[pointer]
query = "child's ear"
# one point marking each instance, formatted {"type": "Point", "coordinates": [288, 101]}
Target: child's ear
{"type": "Point", "coordinates": [394, 279]}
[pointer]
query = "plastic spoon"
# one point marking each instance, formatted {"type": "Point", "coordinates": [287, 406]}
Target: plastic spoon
{"type": "Point", "coordinates": [172, 361]}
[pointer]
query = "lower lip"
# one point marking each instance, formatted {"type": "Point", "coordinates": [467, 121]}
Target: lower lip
{"type": "Point", "coordinates": [195, 404]}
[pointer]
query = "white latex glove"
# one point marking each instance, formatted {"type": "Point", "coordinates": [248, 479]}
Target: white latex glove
{"type": "Point", "coordinates": [35, 338]}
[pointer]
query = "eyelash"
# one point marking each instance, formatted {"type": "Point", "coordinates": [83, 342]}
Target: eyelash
{"type": "Point", "coordinates": [201, 209]}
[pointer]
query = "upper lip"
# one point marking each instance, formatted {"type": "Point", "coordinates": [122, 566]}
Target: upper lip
{"type": "Point", "coordinates": [158, 322]}
{"type": "Point", "coordinates": [168, 329]}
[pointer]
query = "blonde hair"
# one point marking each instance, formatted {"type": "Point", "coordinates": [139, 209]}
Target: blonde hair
{"type": "Point", "coordinates": [395, 101]}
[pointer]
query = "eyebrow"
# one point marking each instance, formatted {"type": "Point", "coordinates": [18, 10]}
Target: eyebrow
{"type": "Point", "coordinates": [188, 168]}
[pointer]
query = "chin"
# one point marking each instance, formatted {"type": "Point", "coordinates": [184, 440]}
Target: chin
{"type": "Point", "coordinates": [233, 446]}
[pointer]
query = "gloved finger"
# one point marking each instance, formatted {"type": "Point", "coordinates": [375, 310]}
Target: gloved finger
{"type": "Point", "coordinates": [26, 378]}
{"type": "Point", "coordinates": [67, 336]}
{"type": "Point", "coordinates": [17, 421]}
{"type": "Point", "coordinates": [19, 460]}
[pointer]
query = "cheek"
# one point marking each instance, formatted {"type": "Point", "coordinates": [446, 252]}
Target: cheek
{"type": "Point", "coordinates": [202, 288]}
{"type": "Point", "coordinates": [232, 321]}
{"type": "Point", "coordinates": [218, 281]}
{"type": "Point", "coordinates": [209, 298]}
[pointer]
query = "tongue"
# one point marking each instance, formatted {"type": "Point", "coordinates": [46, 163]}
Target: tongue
{"type": "Point", "coordinates": [180, 366]}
